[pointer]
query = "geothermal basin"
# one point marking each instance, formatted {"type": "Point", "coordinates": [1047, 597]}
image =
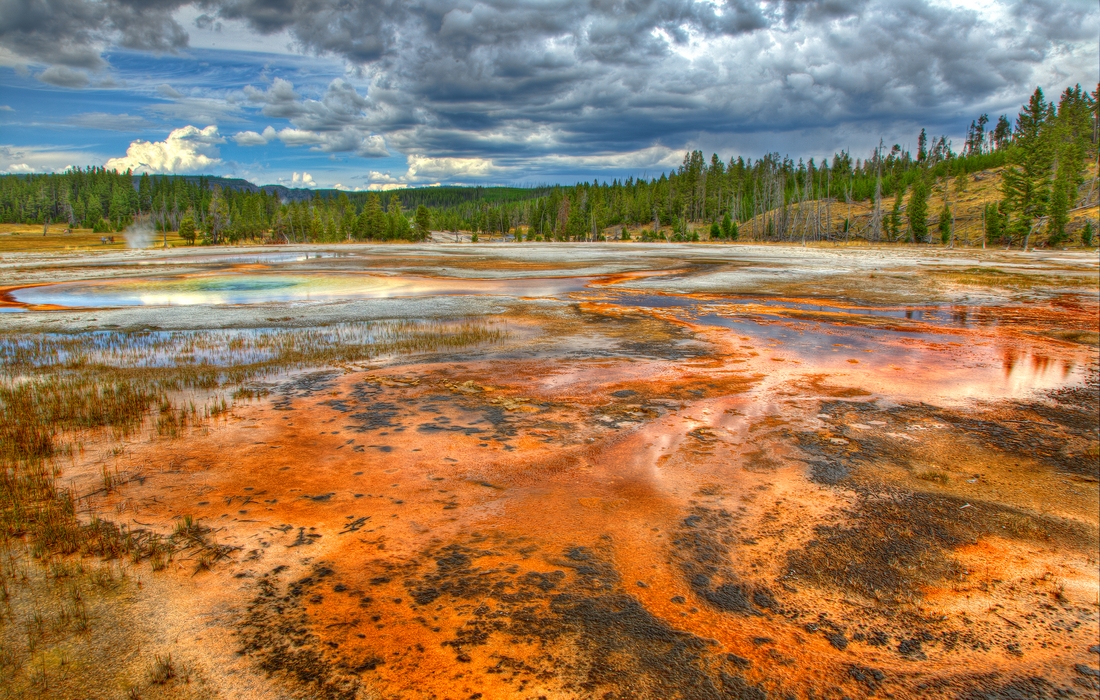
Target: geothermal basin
{"type": "Point", "coordinates": [571, 471]}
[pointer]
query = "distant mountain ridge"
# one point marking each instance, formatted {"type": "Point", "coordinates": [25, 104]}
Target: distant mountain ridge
{"type": "Point", "coordinates": [292, 194]}
{"type": "Point", "coordinates": [410, 196]}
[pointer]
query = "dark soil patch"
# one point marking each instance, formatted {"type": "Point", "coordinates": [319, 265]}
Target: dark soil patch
{"type": "Point", "coordinates": [892, 544]}
{"type": "Point", "coordinates": [702, 547]}
{"type": "Point", "coordinates": [276, 633]}
{"type": "Point", "coordinates": [597, 639]}
{"type": "Point", "coordinates": [1018, 689]}
{"type": "Point", "coordinates": [306, 385]}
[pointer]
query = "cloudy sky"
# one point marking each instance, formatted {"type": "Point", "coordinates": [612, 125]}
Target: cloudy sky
{"type": "Point", "coordinates": [379, 93]}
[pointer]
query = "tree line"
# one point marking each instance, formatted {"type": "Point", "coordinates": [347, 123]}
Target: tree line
{"type": "Point", "coordinates": [773, 198]}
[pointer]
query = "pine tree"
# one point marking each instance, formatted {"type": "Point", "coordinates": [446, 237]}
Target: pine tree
{"type": "Point", "coordinates": [423, 223]}
{"type": "Point", "coordinates": [145, 194]}
{"type": "Point", "coordinates": [1002, 133]}
{"type": "Point", "coordinates": [94, 214]}
{"type": "Point", "coordinates": [893, 222]}
{"type": "Point", "coordinates": [397, 226]}
{"type": "Point", "coordinates": [918, 212]}
{"type": "Point", "coordinates": [1026, 184]}
{"type": "Point", "coordinates": [1071, 134]}
{"type": "Point", "coordinates": [945, 224]}
{"type": "Point", "coordinates": [728, 227]}
{"type": "Point", "coordinates": [187, 229]}
{"type": "Point", "coordinates": [373, 220]}
{"type": "Point", "coordinates": [994, 223]}
{"type": "Point", "coordinates": [1059, 213]}
{"type": "Point", "coordinates": [120, 208]}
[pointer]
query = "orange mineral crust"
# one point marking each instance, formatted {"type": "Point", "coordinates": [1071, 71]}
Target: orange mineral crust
{"type": "Point", "coordinates": [639, 494]}
{"type": "Point", "coordinates": [531, 528]}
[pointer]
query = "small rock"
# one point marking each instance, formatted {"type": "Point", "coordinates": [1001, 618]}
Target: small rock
{"type": "Point", "coordinates": [824, 416]}
{"type": "Point", "coordinates": [859, 426]}
{"type": "Point", "coordinates": [838, 640]}
{"type": "Point", "coordinates": [738, 660]}
{"type": "Point", "coordinates": [870, 676]}
{"type": "Point", "coordinates": [911, 648]}
{"type": "Point", "coordinates": [838, 441]}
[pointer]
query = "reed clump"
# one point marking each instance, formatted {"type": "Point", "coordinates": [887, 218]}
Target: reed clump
{"type": "Point", "coordinates": [54, 388]}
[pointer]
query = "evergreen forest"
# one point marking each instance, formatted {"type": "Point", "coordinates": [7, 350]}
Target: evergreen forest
{"type": "Point", "coordinates": [1046, 158]}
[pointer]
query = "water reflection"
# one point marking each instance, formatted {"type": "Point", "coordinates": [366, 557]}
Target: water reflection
{"type": "Point", "coordinates": [259, 287]}
{"type": "Point", "coordinates": [922, 365]}
{"type": "Point", "coordinates": [955, 316]}
{"type": "Point", "coordinates": [809, 340]}
{"type": "Point", "coordinates": [1031, 367]}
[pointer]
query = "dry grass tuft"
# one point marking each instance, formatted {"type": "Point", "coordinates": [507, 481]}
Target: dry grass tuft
{"type": "Point", "coordinates": [934, 475]}
{"type": "Point", "coordinates": [163, 670]}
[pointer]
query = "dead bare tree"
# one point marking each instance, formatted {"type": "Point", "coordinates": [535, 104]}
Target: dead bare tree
{"type": "Point", "coordinates": [876, 216]}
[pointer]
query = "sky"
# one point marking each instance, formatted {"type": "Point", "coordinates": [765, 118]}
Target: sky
{"type": "Point", "coordinates": [378, 94]}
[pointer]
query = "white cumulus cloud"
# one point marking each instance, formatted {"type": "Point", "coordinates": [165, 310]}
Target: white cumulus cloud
{"type": "Point", "coordinates": [426, 168]}
{"type": "Point", "coordinates": [187, 149]}
{"type": "Point", "coordinates": [299, 137]}
{"type": "Point", "coordinates": [432, 172]}
{"type": "Point", "coordinates": [252, 138]}
{"type": "Point", "coordinates": [348, 140]}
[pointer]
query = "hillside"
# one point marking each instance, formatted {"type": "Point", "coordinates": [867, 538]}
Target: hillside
{"type": "Point", "coordinates": [967, 197]}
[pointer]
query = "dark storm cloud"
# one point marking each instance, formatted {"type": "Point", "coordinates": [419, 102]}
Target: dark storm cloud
{"type": "Point", "coordinates": [72, 33]}
{"type": "Point", "coordinates": [341, 105]}
{"type": "Point", "coordinates": [360, 31]}
{"type": "Point", "coordinates": [511, 78]}
{"type": "Point", "coordinates": [500, 76]}
{"type": "Point", "coordinates": [337, 123]}
{"type": "Point", "coordinates": [63, 76]}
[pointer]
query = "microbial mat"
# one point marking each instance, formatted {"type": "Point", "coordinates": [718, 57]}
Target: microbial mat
{"type": "Point", "coordinates": [621, 471]}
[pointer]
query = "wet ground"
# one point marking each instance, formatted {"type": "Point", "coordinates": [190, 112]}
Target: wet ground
{"type": "Point", "coordinates": [684, 472]}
